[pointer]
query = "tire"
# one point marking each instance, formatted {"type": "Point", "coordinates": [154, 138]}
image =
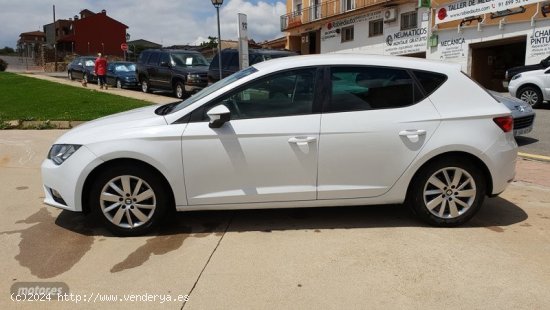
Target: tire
{"type": "Point", "coordinates": [145, 86]}
{"type": "Point", "coordinates": [118, 83]}
{"type": "Point", "coordinates": [85, 78]}
{"type": "Point", "coordinates": [127, 210]}
{"type": "Point", "coordinates": [531, 95]}
{"type": "Point", "coordinates": [443, 203]}
{"type": "Point", "coordinates": [179, 90]}
{"type": "Point", "coordinates": [70, 76]}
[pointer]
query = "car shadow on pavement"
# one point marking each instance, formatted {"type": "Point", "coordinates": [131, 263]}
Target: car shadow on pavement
{"type": "Point", "coordinates": [522, 140]}
{"type": "Point", "coordinates": [495, 212]}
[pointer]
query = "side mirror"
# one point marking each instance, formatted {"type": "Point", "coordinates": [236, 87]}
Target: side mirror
{"type": "Point", "coordinates": [164, 64]}
{"type": "Point", "coordinates": [218, 115]}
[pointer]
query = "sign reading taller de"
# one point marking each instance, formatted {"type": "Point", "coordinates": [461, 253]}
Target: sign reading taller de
{"type": "Point", "coordinates": [243, 41]}
{"type": "Point", "coordinates": [467, 8]}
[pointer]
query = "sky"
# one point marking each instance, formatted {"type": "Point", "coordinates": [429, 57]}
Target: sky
{"type": "Point", "coordinates": [167, 22]}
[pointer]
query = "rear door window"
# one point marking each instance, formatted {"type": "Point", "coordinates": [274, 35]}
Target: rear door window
{"type": "Point", "coordinates": [154, 59]}
{"type": "Point", "coordinates": [371, 88]}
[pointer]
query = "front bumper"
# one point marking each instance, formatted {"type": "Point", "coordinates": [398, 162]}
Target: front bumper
{"type": "Point", "coordinates": [63, 184]}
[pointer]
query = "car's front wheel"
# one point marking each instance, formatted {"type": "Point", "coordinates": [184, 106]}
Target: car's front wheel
{"type": "Point", "coordinates": [71, 76]}
{"type": "Point", "coordinates": [447, 192]}
{"type": "Point", "coordinates": [531, 95]}
{"type": "Point", "coordinates": [129, 200]}
{"type": "Point", "coordinates": [118, 83]}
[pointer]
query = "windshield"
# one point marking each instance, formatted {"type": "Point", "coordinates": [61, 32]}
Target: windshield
{"type": "Point", "coordinates": [185, 60]}
{"type": "Point", "coordinates": [89, 63]}
{"type": "Point", "coordinates": [214, 87]}
{"type": "Point", "coordinates": [125, 67]}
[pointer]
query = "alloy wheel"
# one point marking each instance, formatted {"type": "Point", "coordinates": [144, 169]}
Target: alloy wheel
{"type": "Point", "coordinates": [179, 91]}
{"type": "Point", "coordinates": [118, 84]}
{"type": "Point", "coordinates": [128, 201]}
{"type": "Point", "coordinates": [449, 192]}
{"type": "Point", "coordinates": [530, 96]}
{"type": "Point", "coordinates": [144, 86]}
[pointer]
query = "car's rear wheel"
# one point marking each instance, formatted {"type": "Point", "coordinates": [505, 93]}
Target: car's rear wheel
{"type": "Point", "coordinates": [179, 90]}
{"type": "Point", "coordinates": [71, 76]}
{"type": "Point", "coordinates": [85, 78]}
{"type": "Point", "coordinates": [145, 85]}
{"type": "Point", "coordinates": [531, 95]}
{"type": "Point", "coordinates": [447, 192]}
{"type": "Point", "coordinates": [129, 200]}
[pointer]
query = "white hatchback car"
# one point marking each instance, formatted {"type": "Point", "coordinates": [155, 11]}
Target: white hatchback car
{"type": "Point", "coordinates": [532, 87]}
{"type": "Point", "coordinates": [305, 131]}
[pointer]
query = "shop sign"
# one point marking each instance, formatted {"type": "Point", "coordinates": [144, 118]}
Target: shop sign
{"type": "Point", "coordinates": [332, 29]}
{"type": "Point", "coordinates": [538, 43]}
{"type": "Point", "coordinates": [453, 48]}
{"type": "Point", "coordinates": [468, 8]}
{"type": "Point", "coordinates": [407, 42]}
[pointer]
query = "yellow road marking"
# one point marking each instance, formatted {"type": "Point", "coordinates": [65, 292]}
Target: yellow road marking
{"type": "Point", "coordinates": [533, 156]}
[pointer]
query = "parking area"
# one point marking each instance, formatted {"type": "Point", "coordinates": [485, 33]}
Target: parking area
{"type": "Point", "coordinates": [326, 258]}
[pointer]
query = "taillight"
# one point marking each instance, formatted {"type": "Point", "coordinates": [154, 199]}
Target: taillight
{"type": "Point", "coordinates": [506, 123]}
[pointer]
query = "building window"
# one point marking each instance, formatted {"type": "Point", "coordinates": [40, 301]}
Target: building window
{"type": "Point", "coordinates": [347, 34]}
{"type": "Point", "coordinates": [298, 5]}
{"type": "Point", "coordinates": [409, 20]}
{"type": "Point", "coordinates": [376, 28]}
{"type": "Point", "coordinates": [348, 5]}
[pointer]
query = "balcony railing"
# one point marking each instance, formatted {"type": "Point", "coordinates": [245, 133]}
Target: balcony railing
{"type": "Point", "coordinates": [323, 10]}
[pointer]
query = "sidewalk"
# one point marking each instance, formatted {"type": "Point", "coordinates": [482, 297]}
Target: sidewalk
{"type": "Point", "coordinates": [61, 78]}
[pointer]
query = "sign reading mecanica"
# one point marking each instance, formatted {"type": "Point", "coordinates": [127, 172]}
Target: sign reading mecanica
{"type": "Point", "coordinates": [467, 8]}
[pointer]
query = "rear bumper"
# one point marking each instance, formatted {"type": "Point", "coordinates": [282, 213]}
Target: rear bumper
{"type": "Point", "coordinates": [502, 157]}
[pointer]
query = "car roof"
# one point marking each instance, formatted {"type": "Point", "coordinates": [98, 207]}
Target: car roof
{"type": "Point", "coordinates": [261, 51]}
{"type": "Point", "coordinates": [171, 51]}
{"type": "Point", "coordinates": [358, 59]}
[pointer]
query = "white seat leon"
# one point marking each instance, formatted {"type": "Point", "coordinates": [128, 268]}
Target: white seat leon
{"type": "Point", "coordinates": [304, 131]}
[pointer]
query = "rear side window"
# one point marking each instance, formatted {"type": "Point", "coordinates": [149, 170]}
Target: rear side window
{"type": "Point", "coordinates": [143, 57]}
{"type": "Point", "coordinates": [430, 81]}
{"type": "Point", "coordinates": [371, 88]}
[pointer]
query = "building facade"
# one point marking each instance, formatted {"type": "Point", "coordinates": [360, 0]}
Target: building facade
{"type": "Point", "coordinates": [507, 34]}
{"type": "Point", "coordinates": [87, 34]}
{"type": "Point", "coordinates": [486, 37]}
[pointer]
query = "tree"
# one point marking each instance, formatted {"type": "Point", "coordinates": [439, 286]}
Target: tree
{"type": "Point", "coordinates": [7, 51]}
{"type": "Point", "coordinates": [212, 43]}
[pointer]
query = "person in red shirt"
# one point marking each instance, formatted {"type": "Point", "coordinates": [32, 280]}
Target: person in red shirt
{"type": "Point", "coordinates": [101, 71]}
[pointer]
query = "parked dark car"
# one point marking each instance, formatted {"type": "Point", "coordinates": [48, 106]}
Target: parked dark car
{"type": "Point", "coordinates": [82, 68]}
{"type": "Point", "coordinates": [545, 63]}
{"type": "Point", "coordinates": [230, 61]}
{"type": "Point", "coordinates": [122, 74]}
{"type": "Point", "coordinates": [181, 71]}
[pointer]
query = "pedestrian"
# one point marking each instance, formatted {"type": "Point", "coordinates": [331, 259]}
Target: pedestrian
{"type": "Point", "coordinates": [101, 71]}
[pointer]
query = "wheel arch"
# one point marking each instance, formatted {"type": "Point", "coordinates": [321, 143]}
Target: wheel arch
{"type": "Point", "coordinates": [92, 176]}
{"type": "Point", "coordinates": [478, 162]}
{"type": "Point", "coordinates": [528, 84]}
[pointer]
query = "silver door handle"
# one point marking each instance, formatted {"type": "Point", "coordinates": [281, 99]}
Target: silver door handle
{"type": "Point", "coordinates": [412, 132]}
{"type": "Point", "coordinates": [301, 140]}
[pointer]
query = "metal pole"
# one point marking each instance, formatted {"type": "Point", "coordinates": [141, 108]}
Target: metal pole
{"type": "Point", "coordinates": [219, 43]}
{"type": "Point", "coordinates": [54, 42]}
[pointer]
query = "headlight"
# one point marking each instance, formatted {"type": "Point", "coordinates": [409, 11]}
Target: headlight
{"type": "Point", "coordinates": [517, 76]}
{"type": "Point", "coordinates": [193, 76]}
{"type": "Point", "coordinates": [60, 152]}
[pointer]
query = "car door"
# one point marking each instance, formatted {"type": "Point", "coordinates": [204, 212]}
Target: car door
{"type": "Point", "coordinates": [374, 125]}
{"type": "Point", "coordinates": [546, 84]}
{"type": "Point", "coordinates": [267, 152]}
{"type": "Point", "coordinates": [164, 71]}
{"type": "Point", "coordinates": [111, 74]}
{"type": "Point", "coordinates": [78, 68]}
{"type": "Point", "coordinates": [152, 69]}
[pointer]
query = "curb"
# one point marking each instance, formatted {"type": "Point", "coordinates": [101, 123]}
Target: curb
{"type": "Point", "coordinates": [19, 124]}
{"type": "Point", "coordinates": [534, 157]}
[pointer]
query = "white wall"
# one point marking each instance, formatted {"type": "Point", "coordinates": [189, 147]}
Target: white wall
{"type": "Point", "coordinates": [401, 42]}
{"type": "Point", "coordinates": [453, 45]}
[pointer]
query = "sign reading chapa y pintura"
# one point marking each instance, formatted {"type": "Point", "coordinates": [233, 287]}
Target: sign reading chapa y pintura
{"type": "Point", "coordinates": [538, 43]}
{"type": "Point", "coordinates": [467, 8]}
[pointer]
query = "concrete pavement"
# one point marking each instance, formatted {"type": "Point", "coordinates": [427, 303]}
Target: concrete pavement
{"type": "Point", "coordinates": [328, 258]}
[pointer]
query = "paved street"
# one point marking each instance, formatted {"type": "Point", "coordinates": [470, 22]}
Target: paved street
{"type": "Point", "coordinates": [538, 141]}
{"type": "Point", "coordinates": [332, 258]}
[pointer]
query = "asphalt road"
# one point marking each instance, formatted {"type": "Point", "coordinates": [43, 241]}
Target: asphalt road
{"type": "Point", "coordinates": [537, 142]}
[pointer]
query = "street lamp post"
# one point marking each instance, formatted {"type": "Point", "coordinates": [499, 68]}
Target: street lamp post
{"type": "Point", "coordinates": [217, 4]}
{"type": "Point", "coordinates": [126, 51]}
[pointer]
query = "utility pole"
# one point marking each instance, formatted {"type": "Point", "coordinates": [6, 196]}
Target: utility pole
{"type": "Point", "coordinates": [54, 42]}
